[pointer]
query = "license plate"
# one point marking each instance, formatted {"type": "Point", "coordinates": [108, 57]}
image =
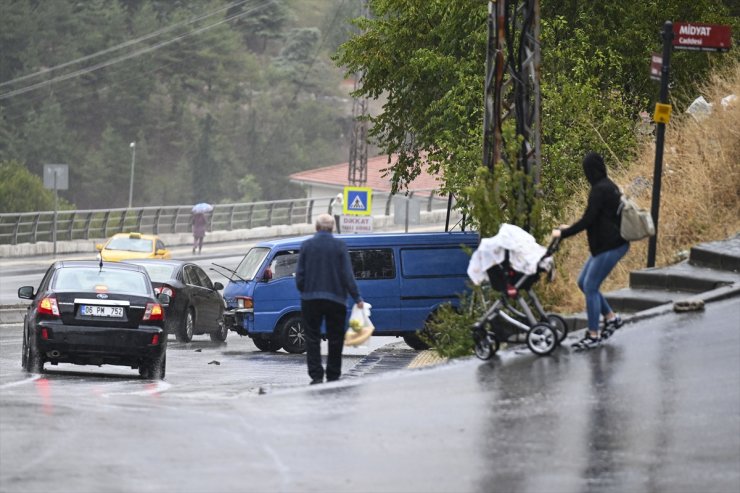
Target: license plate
{"type": "Point", "coordinates": [102, 311]}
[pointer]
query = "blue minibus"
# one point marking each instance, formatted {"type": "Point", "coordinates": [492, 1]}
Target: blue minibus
{"type": "Point", "coordinates": [404, 276]}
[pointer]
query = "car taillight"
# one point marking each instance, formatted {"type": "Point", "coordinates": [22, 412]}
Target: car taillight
{"type": "Point", "coordinates": [45, 334]}
{"type": "Point", "coordinates": [49, 306]}
{"type": "Point", "coordinates": [165, 290]}
{"type": "Point", "coordinates": [244, 302]}
{"type": "Point", "coordinates": [153, 312]}
{"type": "Point", "coordinates": [155, 339]}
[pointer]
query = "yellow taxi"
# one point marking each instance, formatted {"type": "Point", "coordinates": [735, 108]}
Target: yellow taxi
{"type": "Point", "coordinates": [124, 246]}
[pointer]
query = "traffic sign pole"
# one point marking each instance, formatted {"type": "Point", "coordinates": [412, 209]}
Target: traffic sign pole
{"type": "Point", "coordinates": [660, 139]}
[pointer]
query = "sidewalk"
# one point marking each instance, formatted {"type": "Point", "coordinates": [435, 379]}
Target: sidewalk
{"type": "Point", "coordinates": [711, 273]}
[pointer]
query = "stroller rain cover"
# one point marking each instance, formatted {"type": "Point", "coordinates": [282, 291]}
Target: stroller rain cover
{"type": "Point", "coordinates": [524, 253]}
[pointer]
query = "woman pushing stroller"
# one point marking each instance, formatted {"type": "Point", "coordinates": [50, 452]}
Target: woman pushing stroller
{"type": "Point", "coordinates": [607, 247]}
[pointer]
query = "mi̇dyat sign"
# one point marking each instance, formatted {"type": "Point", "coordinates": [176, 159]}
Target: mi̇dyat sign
{"type": "Point", "coordinates": [701, 37]}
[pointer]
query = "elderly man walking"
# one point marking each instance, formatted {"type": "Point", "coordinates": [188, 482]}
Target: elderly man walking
{"type": "Point", "coordinates": [324, 278]}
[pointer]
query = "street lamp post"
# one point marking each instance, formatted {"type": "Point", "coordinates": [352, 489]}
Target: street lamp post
{"type": "Point", "coordinates": [133, 164]}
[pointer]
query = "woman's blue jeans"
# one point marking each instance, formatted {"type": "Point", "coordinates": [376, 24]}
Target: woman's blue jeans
{"type": "Point", "coordinates": [593, 274]}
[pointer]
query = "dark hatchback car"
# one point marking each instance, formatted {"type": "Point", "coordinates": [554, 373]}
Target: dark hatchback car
{"type": "Point", "coordinates": [87, 314]}
{"type": "Point", "coordinates": [196, 306]}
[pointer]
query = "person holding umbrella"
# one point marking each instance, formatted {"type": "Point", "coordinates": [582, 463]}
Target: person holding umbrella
{"type": "Point", "coordinates": [199, 223]}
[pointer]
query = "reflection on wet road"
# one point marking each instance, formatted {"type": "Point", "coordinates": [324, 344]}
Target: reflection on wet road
{"type": "Point", "coordinates": [655, 409]}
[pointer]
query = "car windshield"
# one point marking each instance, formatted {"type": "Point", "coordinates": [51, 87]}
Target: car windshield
{"type": "Point", "coordinates": [130, 244]}
{"type": "Point", "coordinates": [159, 272]}
{"type": "Point", "coordinates": [95, 280]}
{"type": "Point", "coordinates": [247, 268]}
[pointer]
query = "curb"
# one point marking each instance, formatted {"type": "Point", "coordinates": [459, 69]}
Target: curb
{"type": "Point", "coordinates": [12, 314]}
{"type": "Point", "coordinates": [428, 357]}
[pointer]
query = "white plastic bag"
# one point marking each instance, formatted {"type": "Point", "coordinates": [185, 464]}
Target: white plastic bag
{"type": "Point", "coordinates": [363, 331]}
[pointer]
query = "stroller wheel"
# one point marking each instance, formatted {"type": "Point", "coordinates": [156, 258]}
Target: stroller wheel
{"type": "Point", "coordinates": [558, 323]}
{"type": "Point", "coordinates": [486, 343]}
{"type": "Point", "coordinates": [486, 347]}
{"type": "Point", "coordinates": [542, 339]}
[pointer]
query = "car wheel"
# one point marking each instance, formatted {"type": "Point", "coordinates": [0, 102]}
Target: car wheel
{"type": "Point", "coordinates": [220, 334]}
{"type": "Point", "coordinates": [269, 344]}
{"type": "Point", "coordinates": [292, 334]}
{"type": "Point", "coordinates": [185, 332]}
{"type": "Point", "coordinates": [25, 350]}
{"type": "Point", "coordinates": [155, 368]}
{"type": "Point", "coordinates": [415, 342]}
{"type": "Point", "coordinates": [35, 363]}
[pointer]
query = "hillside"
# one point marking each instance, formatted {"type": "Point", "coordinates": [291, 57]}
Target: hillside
{"type": "Point", "coordinates": [700, 197]}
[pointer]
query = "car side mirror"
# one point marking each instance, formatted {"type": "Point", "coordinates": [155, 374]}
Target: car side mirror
{"type": "Point", "coordinates": [160, 252]}
{"type": "Point", "coordinates": [218, 286]}
{"type": "Point", "coordinates": [98, 246]}
{"type": "Point", "coordinates": [267, 275]}
{"type": "Point", "coordinates": [26, 292]}
{"type": "Point", "coordinates": [164, 299]}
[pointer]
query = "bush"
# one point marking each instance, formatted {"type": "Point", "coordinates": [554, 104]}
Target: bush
{"type": "Point", "coordinates": [449, 330]}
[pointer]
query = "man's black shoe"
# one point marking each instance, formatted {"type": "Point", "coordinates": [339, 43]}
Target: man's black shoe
{"type": "Point", "coordinates": [316, 381]}
{"type": "Point", "coordinates": [332, 379]}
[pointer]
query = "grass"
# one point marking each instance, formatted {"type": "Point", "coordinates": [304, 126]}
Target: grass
{"type": "Point", "coordinates": [700, 196]}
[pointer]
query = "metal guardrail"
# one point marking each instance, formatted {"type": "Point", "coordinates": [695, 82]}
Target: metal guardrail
{"type": "Point", "coordinates": [31, 227]}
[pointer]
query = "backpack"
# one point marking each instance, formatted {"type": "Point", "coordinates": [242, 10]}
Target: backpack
{"type": "Point", "coordinates": [635, 223]}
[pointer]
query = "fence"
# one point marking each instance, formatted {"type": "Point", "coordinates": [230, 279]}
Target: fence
{"type": "Point", "coordinates": [31, 227]}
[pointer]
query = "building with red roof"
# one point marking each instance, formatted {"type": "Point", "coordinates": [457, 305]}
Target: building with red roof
{"type": "Point", "coordinates": [325, 183]}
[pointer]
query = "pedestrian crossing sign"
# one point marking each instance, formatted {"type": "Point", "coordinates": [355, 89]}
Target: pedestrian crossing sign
{"type": "Point", "coordinates": [358, 201]}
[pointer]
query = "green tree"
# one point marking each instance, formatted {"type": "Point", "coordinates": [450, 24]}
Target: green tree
{"type": "Point", "coordinates": [427, 59]}
{"type": "Point", "coordinates": [23, 191]}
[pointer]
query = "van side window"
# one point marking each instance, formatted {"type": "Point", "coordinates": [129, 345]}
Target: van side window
{"type": "Point", "coordinates": [284, 264]}
{"type": "Point", "coordinates": [434, 262]}
{"type": "Point", "coordinates": [375, 263]}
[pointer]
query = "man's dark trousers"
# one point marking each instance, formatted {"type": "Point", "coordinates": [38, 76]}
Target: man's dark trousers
{"type": "Point", "coordinates": [314, 311]}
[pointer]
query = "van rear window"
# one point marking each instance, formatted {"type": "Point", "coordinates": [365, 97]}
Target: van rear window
{"type": "Point", "coordinates": [434, 262]}
{"type": "Point", "coordinates": [372, 263]}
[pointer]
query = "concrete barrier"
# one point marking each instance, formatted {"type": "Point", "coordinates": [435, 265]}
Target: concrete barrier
{"type": "Point", "coordinates": [12, 314]}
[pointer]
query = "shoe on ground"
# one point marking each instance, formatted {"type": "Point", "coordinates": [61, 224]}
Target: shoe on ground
{"type": "Point", "coordinates": [610, 326]}
{"type": "Point", "coordinates": [316, 381]}
{"type": "Point", "coordinates": [587, 342]}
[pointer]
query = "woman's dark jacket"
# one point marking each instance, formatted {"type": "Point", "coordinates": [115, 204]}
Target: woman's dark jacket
{"type": "Point", "coordinates": [600, 220]}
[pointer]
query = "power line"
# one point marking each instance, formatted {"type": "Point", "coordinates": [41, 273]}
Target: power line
{"type": "Point", "coordinates": [122, 58]}
{"type": "Point", "coordinates": [125, 44]}
{"type": "Point", "coordinates": [303, 78]}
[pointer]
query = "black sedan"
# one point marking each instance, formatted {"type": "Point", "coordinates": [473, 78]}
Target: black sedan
{"type": "Point", "coordinates": [86, 313]}
{"type": "Point", "coordinates": [196, 306]}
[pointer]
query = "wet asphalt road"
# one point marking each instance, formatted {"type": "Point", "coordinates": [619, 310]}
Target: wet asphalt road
{"type": "Point", "coordinates": [655, 409]}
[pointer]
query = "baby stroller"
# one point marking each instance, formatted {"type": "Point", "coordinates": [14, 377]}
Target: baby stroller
{"type": "Point", "coordinates": [527, 321]}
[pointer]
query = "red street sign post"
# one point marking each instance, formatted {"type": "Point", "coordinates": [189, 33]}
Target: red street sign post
{"type": "Point", "coordinates": [680, 36]}
{"type": "Point", "coordinates": [701, 37]}
{"type": "Point", "coordinates": [656, 64]}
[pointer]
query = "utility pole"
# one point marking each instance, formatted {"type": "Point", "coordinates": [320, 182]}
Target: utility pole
{"type": "Point", "coordinates": [512, 89]}
{"type": "Point", "coordinates": [357, 173]}
{"type": "Point", "coordinates": [131, 182]}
